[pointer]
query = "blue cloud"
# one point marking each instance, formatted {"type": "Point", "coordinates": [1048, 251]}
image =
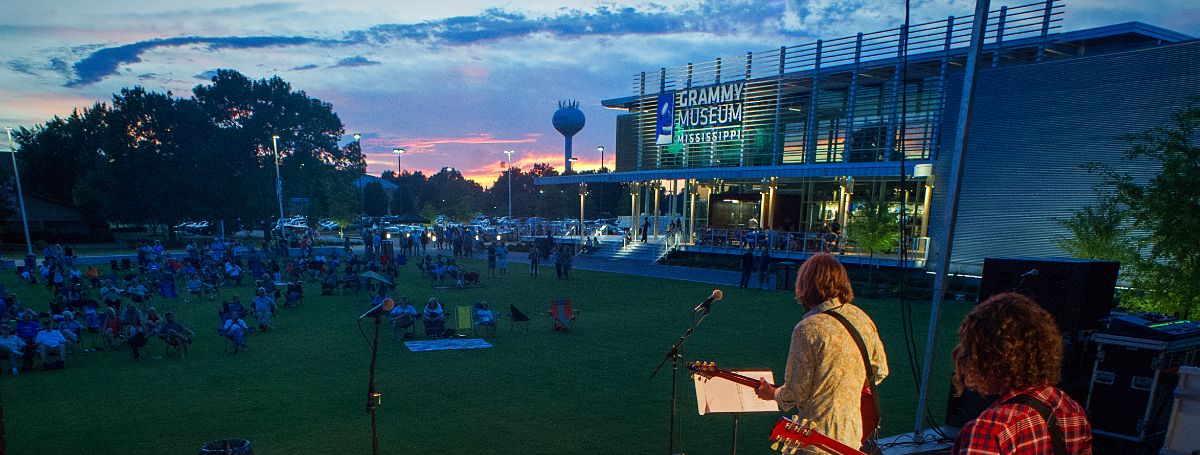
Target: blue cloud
{"type": "Point", "coordinates": [718, 17]}
{"type": "Point", "coordinates": [21, 66]}
{"type": "Point", "coordinates": [105, 62]}
{"type": "Point", "coordinates": [207, 75]}
{"type": "Point", "coordinates": [307, 67]}
{"type": "Point", "coordinates": [357, 60]}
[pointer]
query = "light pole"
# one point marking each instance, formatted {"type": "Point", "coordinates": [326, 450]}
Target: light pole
{"type": "Point", "coordinates": [12, 149]}
{"type": "Point", "coordinates": [509, 171]}
{"type": "Point", "coordinates": [278, 179]}
{"type": "Point", "coordinates": [398, 152]}
{"type": "Point", "coordinates": [600, 148]}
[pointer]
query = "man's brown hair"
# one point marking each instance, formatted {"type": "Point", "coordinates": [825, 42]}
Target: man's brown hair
{"type": "Point", "coordinates": [822, 278]}
{"type": "Point", "coordinates": [1008, 342]}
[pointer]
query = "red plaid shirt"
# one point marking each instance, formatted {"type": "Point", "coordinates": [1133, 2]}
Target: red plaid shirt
{"type": "Point", "coordinates": [1016, 429]}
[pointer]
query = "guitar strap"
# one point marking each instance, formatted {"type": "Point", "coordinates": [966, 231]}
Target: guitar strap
{"type": "Point", "coordinates": [862, 349]}
{"type": "Point", "coordinates": [1058, 442]}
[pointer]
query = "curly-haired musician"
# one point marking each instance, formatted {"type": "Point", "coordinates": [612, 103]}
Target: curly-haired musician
{"type": "Point", "coordinates": [1010, 346]}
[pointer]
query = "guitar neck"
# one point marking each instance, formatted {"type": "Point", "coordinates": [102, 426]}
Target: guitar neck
{"type": "Point", "coordinates": [731, 376]}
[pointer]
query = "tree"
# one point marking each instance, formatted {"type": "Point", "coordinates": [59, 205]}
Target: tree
{"type": "Point", "coordinates": [874, 230]}
{"type": "Point", "coordinates": [1098, 232]}
{"type": "Point", "coordinates": [375, 199]}
{"type": "Point", "coordinates": [452, 195]}
{"type": "Point", "coordinates": [1164, 214]}
{"type": "Point", "coordinates": [406, 199]}
{"type": "Point", "coordinates": [153, 158]}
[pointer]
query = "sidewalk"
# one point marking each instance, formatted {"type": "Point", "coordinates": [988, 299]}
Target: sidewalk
{"type": "Point", "coordinates": [628, 267]}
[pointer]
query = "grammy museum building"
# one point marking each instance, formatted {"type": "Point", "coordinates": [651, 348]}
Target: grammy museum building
{"type": "Point", "coordinates": [799, 139]}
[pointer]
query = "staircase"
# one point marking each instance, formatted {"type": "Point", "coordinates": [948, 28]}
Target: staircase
{"type": "Point", "coordinates": [636, 251]}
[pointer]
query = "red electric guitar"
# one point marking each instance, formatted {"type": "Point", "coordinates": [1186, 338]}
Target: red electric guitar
{"type": "Point", "coordinates": [790, 435]}
{"type": "Point", "coordinates": [870, 417]}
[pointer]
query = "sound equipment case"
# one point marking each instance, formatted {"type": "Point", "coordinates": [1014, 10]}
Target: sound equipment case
{"type": "Point", "coordinates": [1129, 397]}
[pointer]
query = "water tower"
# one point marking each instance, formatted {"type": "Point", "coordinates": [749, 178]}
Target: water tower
{"type": "Point", "coordinates": [568, 120]}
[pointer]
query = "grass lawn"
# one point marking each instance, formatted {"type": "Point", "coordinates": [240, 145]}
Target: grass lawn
{"type": "Point", "coordinates": [301, 389]}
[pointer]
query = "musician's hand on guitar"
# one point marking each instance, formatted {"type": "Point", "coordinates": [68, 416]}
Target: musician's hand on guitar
{"type": "Point", "coordinates": [765, 390]}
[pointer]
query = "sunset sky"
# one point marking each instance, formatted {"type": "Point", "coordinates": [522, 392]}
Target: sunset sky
{"type": "Point", "coordinates": [455, 83]}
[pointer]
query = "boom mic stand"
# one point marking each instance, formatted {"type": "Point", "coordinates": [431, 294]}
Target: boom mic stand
{"type": "Point", "coordinates": [673, 355]}
{"type": "Point", "coordinates": [373, 397]}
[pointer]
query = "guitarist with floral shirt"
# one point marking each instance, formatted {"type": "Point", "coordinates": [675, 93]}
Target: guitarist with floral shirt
{"type": "Point", "coordinates": [826, 376]}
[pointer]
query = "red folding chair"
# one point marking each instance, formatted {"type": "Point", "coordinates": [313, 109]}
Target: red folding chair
{"type": "Point", "coordinates": [562, 314]}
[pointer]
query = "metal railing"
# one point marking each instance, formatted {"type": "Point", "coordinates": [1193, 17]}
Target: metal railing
{"type": "Point", "coordinates": [800, 242]}
{"type": "Point", "coordinates": [667, 244]}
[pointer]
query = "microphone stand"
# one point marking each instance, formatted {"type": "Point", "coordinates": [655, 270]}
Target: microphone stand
{"type": "Point", "coordinates": [373, 397]}
{"type": "Point", "coordinates": [673, 355]}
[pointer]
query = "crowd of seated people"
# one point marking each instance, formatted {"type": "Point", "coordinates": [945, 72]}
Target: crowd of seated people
{"type": "Point", "coordinates": [114, 307]}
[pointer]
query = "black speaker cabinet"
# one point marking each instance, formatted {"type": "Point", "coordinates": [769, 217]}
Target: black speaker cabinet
{"type": "Point", "coordinates": [1077, 292]}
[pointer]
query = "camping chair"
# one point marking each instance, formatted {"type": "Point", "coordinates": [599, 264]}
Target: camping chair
{"type": "Point", "coordinates": [462, 320]}
{"type": "Point", "coordinates": [515, 317]}
{"type": "Point", "coordinates": [562, 314]}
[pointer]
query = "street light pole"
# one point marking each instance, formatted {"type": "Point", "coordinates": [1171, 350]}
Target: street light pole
{"type": "Point", "coordinates": [600, 148]}
{"type": "Point", "coordinates": [509, 171]}
{"type": "Point", "coordinates": [278, 178]}
{"type": "Point", "coordinates": [398, 152]}
{"type": "Point", "coordinates": [12, 149]}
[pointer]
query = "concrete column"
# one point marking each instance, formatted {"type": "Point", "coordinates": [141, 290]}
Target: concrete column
{"type": "Point", "coordinates": [657, 189]}
{"type": "Point", "coordinates": [692, 212]}
{"type": "Point", "coordinates": [771, 206]}
{"type": "Point", "coordinates": [925, 207]}
{"type": "Point", "coordinates": [762, 207]}
{"type": "Point", "coordinates": [634, 222]}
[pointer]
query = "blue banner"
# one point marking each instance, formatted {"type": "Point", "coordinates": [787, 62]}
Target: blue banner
{"type": "Point", "coordinates": [665, 127]}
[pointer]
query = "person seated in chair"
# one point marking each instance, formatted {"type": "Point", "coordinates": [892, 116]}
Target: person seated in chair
{"type": "Point", "coordinates": [434, 318]}
{"type": "Point", "coordinates": [135, 335]}
{"type": "Point", "coordinates": [328, 282]}
{"type": "Point", "coordinates": [48, 340]}
{"type": "Point", "coordinates": [402, 316]}
{"type": "Point", "coordinates": [232, 309]}
{"type": "Point", "coordinates": [295, 293]}
{"type": "Point", "coordinates": [235, 330]}
{"type": "Point", "coordinates": [195, 286]}
{"type": "Point", "coordinates": [11, 346]}
{"type": "Point", "coordinates": [484, 318]}
{"type": "Point", "coordinates": [70, 328]}
{"type": "Point", "coordinates": [349, 279]}
{"type": "Point", "coordinates": [264, 310]}
{"type": "Point", "coordinates": [138, 292]}
{"type": "Point", "coordinates": [112, 328]}
{"type": "Point", "coordinates": [110, 295]}
{"type": "Point", "coordinates": [28, 328]}
{"type": "Point", "coordinates": [175, 334]}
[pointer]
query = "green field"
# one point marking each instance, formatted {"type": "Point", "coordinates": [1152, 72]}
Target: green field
{"type": "Point", "coordinates": [301, 389]}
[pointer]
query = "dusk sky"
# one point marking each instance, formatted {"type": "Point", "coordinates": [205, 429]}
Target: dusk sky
{"type": "Point", "coordinates": [455, 83]}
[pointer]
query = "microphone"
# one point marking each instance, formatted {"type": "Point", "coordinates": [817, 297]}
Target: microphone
{"type": "Point", "coordinates": [385, 306]}
{"type": "Point", "coordinates": [1030, 273]}
{"type": "Point", "coordinates": [707, 303]}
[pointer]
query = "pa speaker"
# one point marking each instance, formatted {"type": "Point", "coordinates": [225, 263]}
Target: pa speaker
{"type": "Point", "coordinates": [1077, 292]}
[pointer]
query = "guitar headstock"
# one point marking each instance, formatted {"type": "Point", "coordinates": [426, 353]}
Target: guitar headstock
{"type": "Point", "coordinates": [791, 434]}
{"type": "Point", "coordinates": [704, 369]}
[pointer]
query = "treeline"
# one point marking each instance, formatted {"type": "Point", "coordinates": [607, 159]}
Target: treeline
{"type": "Point", "coordinates": [156, 159]}
{"type": "Point", "coordinates": [448, 193]}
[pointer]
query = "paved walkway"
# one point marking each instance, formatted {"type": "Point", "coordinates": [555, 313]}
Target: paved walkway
{"type": "Point", "coordinates": [629, 267]}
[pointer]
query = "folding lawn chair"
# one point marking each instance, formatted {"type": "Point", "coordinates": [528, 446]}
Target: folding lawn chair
{"type": "Point", "coordinates": [562, 314]}
{"type": "Point", "coordinates": [517, 317]}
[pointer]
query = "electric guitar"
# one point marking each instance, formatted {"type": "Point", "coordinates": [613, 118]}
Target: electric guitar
{"type": "Point", "coordinates": [867, 409]}
{"type": "Point", "coordinates": [790, 435]}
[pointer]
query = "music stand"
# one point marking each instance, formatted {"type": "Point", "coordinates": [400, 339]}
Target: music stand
{"type": "Point", "coordinates": [721, 396]}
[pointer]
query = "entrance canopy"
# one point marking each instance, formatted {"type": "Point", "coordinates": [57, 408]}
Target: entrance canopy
{"type": "Point", "coordinates": [873, 169]}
